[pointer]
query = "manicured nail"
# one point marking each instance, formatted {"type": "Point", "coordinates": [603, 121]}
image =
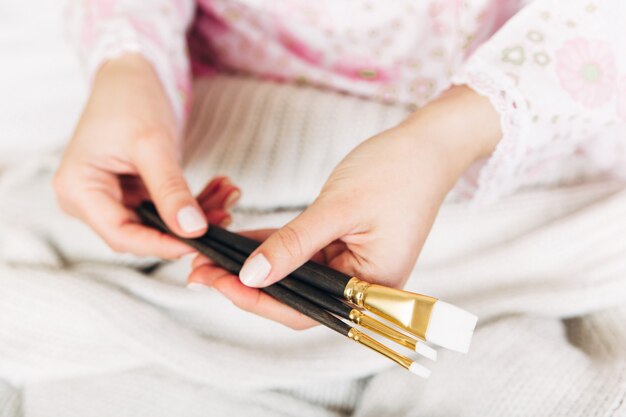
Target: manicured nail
{"type": "Point", "coordinates": [255, 271]}
{"type": "Point", "coordinates": [197, 287]}
{"type": "Point", "coordinates": [232, 199]}
{"type": "Point", "coordinates": [190, 219]}
{"type": "Point", "coordinates": [189, 257]}
{"type": "Point", "coordinates": [227, 221]}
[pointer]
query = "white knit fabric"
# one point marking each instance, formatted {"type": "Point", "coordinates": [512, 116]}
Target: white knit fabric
{"type": "Point", "coordinates": [84, 332]}
{"type": "Point", "coordinates": [282, 160]}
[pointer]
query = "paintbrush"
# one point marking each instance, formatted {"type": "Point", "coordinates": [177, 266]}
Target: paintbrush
{"type": "Point", "coordinates": [282, 293]}
{"type": "Point", "coordinates": [335, 306]}
{"type": "Point", "coordinates": [425, 317]}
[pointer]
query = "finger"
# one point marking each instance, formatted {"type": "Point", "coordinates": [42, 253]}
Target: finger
{"type": "Point", "coordinates": [95, 197]}
{"type": "Point", "coordinates": [134, 191]}
{"type": "Point", "coordinates": [211, 187]}
{"type": "Point", "coordinates": [224, 197]}
{"type": "Point", "coordinates": [119, 228]}
{"type": "Point", "coordinates": [201, 260]}
{"type": "Point", "coordinates": [261, 235]}
{"type": "Point", "coordinates": [333, 250]}
{"type": "Point", "coordinates": [226, 221]}
{"type": "Point", "coordinates": [348, 264]}
{"type": "Point", "coordinates": [258, 235]}
{"type": "Point", "coordinates": [250, 299]}
{"type": "Point", "coordinates": [206, 274]}
{"type": "Point", "coordinates": [292, 245]}
{"type": "Point", "coordinates": [219, 217]}
{"type": "Point", "coordinates": [160, 171]}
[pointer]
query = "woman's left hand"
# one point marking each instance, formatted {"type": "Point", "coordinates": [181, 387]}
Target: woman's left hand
{"type": "Point", "coordinates": [376, 209]}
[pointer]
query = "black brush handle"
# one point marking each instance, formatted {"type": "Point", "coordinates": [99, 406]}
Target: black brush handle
{"type": "Point", "coordinates": [307, 308]}
{"type": "Point", "coordinates": [149, 215]}
{"type": "Point", "coordinates": [231, 260]}
{"type": "Point", "coordinates": [313, 273]}
{"type": "Point", "coordinates": [317, 296]}
{"type": "Point", "coordinates": [322, 299]}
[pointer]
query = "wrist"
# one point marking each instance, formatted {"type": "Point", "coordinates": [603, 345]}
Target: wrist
{"type": "Point", "coordinates": [463, 125]}
{"type": "Point", "coordinates": [127, 63]}
{"type": "Point", "coordinates": [130, 82]}
{"type": "Point", "coordinates": [132, 71]}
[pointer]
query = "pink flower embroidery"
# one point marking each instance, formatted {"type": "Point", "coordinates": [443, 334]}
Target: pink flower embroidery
{"type": "Point", "coordinates": [298, 47]}
{"type": "Point", "coordinates": [621, 98]}
{"type": "Point", "coordinates": [363, 69]}
{"type": "Point", "coordinates": [586, 70]}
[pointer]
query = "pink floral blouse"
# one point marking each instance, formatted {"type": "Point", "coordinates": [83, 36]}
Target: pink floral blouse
{"type": "Point", "coordinates": [554, 69]}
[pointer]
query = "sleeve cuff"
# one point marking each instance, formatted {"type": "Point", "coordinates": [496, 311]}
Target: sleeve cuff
{"type": "Point", "coordinates": [118, 38]}
{"type": "Point", "coordinates": [498, 175]}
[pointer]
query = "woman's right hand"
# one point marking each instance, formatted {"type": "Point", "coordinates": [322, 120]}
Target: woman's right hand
{"type": "Point", "coordinates": [123, 151]}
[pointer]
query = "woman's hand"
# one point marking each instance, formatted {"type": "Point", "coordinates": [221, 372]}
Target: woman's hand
{"type": "Point", "coordinates": [376, 209]}
{"type": "Point", "coordinates": [123, 152]}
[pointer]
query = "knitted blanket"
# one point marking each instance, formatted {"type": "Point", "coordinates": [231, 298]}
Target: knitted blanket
{"type": "Point", "coordinates": [86, 332]}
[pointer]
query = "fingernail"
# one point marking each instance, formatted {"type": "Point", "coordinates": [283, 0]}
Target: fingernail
{"type": "Point", "coordinates": [226, 222]}
{"type": "Point", "coordinates": [197, 287]}
{"type": "Point", "coordinates": [190, 219]}
{"type": "Point", "coordinates": [255, 271]}
{"type": "Point", "coordinates": [189, 257]}
{"type": "Point", "coordinates": [232, 199]}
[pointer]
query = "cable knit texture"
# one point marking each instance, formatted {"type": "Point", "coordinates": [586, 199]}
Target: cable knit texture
{"type": "Point", "coordinates": [85, 332]}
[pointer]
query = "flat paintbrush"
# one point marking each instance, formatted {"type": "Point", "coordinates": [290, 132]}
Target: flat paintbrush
{"type": "Point", "coordinates": [288, 297]}
{"type": "Point", "coordinates": [334, 305]}
{"type": "Point", "coordinates": [425, 317]}
{"type": "Point", "coordinates": [309, 292]}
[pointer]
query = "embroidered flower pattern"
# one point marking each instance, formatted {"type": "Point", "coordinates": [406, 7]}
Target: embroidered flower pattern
{"type": "Point", "coordinates": [423, 88]}
{"type": "Point", "coordinates": [535, 36]}
{"type": "Point", "coordinates": [586, 70]}
{"type": "Point", "coordinates": [514, 55]}
{"type": "Point", "coordinates": [541, 58]}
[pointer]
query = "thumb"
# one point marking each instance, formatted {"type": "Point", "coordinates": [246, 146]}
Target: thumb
{"type": "Point", "coordinates": [163, 177]}
{"type": "Point", "coordinates": [291, 246]}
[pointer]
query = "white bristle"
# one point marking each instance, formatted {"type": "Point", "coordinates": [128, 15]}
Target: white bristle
{"type": "Point", "coordinates": [426, 351]}
{"type": "Point", "coordinates": [450, 327]}
{"type": "Point", "coordinates": [419, 370]}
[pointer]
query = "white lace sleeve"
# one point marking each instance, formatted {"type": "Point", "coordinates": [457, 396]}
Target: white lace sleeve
{"type": "Point", "coordinates": [556, 73]}
{"type": "Point", "coordinates": [105, 29]}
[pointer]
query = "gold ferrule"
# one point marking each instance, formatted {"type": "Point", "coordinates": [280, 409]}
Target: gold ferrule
{"type": "Point", "coordinates": [355, 291]}
{"type": "Point", "coordinates": [365, 340]}
{"type": "Point", "coordinates": [408, 310]}
{"type": "Point", "coordinates": [382, 329]}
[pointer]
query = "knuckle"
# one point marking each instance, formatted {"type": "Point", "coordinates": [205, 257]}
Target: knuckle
{"type": "Point", "coordinates": [292, 241]}
{"type": "Point", "coordinates": [64, 191]}
{"type": "Point", "coordinates": [249, 304]}
{"type": "Point", "coordinates": [170, 186]}
{"type": "Point", "coordinates": [363, 268]}
{"type": "Point", "coordinates": [61, 183]}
